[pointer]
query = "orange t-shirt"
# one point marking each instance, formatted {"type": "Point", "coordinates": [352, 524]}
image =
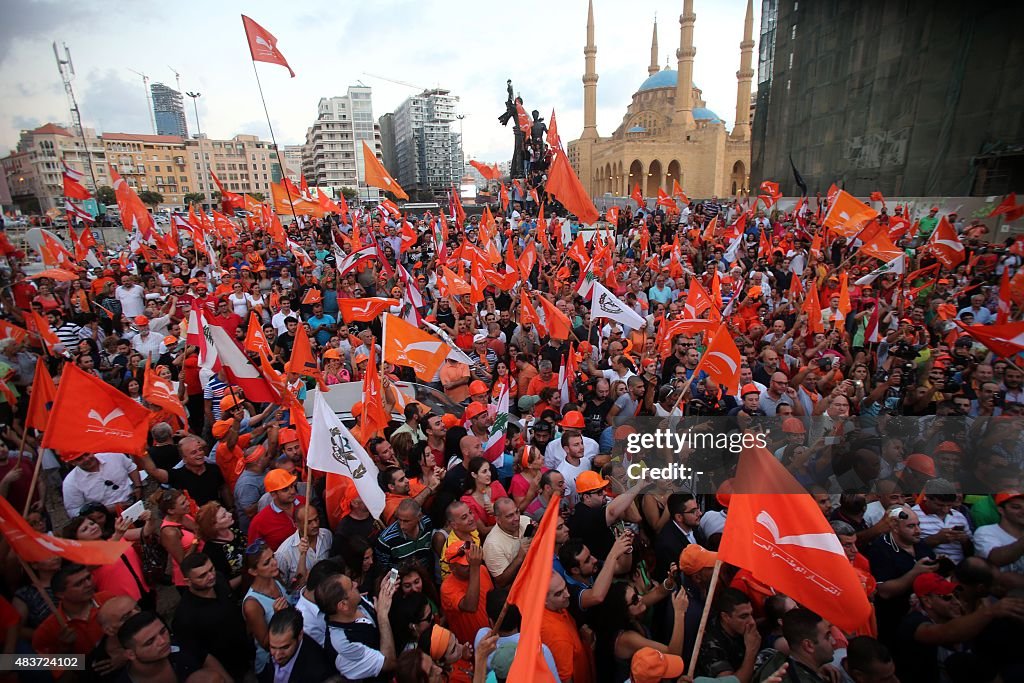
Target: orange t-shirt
{"type": "Point", "coordinates": [88, 632]}
{"type": "Point", "coordinates": [536, 384]}
{"type": "Point", "coordinates": [465, 624]}
{"type": "Point", "coordinates": [572, 658]}
{"type": "Point", "coordinates": [451, 372]}
{"type": "Point", "coordinates": [230, 461]}
{"type": "Point", "coordinates": [393, 500]}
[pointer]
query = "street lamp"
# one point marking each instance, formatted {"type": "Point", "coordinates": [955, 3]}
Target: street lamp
{"type": "Point", "coordinates": [202, 155]}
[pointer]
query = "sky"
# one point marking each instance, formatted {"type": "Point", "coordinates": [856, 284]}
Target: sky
{"type": "Point", "coordinates": [469, 48]}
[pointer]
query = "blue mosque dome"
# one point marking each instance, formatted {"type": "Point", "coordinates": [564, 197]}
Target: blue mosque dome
{"type": "Point", "coordinates": [666, 78]}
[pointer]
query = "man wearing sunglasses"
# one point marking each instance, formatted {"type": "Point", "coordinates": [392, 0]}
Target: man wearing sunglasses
{"type": "Point", "coordinates": [110, 479]}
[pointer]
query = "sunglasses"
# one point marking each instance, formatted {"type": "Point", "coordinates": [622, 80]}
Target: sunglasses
{"type": "Point", "coordinates": [111, 484]}
{"type": "Point", "coordinates": [256, 548]}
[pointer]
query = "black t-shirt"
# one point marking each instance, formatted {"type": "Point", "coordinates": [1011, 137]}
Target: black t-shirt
{"type": "Point", "coordinates": [165, 456]}
{"type": "Point", "coordinates": [549, 352]}
{"type": "Point", "coordinates": [216, 624]}
{"type": "Point", "coordinates": [590, 525]}
{"type": "Point", "coordinates": [285, 343]}
{"type": "Point", "coordinates": [915, 662]}
{"type": "Point", "coordinates": [888, 561]}
{"type": "Point", "coordinates": [349, 527]}
{"type": "Point", "coordinates": [202, 487]}
{"type": "Point", "coordinates": [594, 415]}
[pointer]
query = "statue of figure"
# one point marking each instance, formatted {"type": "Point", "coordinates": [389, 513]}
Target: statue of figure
{"type": "Point", "coordinates": [518, 153]}
{"type": "Point", "coordinates": [538, 128]}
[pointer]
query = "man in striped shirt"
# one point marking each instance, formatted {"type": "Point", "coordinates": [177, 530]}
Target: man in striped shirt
{"type": "Point", "coordinates": [65, 330]}
{"type": "Point", "coordinates": [407, 538]}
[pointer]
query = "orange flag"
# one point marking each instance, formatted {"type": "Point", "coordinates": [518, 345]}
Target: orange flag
{"type": "Point", "coordinates": [32, 546]}
{"type": "Point", "coordinates": [1005, 340]}
{"type": "Point", "coordinates": [406, 344]}
{"type": "Point", "coordinates": [847, 213]}
{"type": "Point", "coordinates": [263, 45]}
{"type": "Point", "coordinates": [1005, 299]}
{"type": "Point", "coordinates": [697, 300]}
{"type": "Point", "coordinates": [638, 196]}
{"type": "Point", "coordinates": [9, 331]}
{"type": "Point", "coordinates": [556, 322]}
{"type": "Point", "coordinates": [527, 313]}
{"type": "Point", "coordinates": [578, 251]}
{"type": "Point", "coordinates": [160, 392]}
{"type": "Point", "coordinates": [527, 260]}
{"type": "Point", "coordinates": [41, 401]}
{"type": "Point", "coordinates": [844, 294]}
{"type": "Point", "coordinates": [709, 231]}
{"type": "Point", "coordinates": [374, 418]}
{"type": "Point", "coordinates": [946, 245]}
{"type": "Point", "coordinates": [503, 196]}
{"type": "Point", "coordinates": [812, 307]}
{"type": "Point", "coordinates": [678, 192]}
{"type": "Point", "coordinates": [554, 141]}
{"type": "Point", "coordinates": [301, 361]}
{"type": "Point", "coordinates": [451, 284]}
{"type": "Point", "coordinates": [564, 186]}
{"type": "Point", "coordinates": [364, 310]}
{"type": "Point", "coordinates": [721, 360]}
{"type": "Point", "coordinates": [778, 533]}
{"type": "Point", "coordinates": [40, 326]}
{"type": "Point", "coordinates": [255, 340]}
{"type": "Point", "coordinates": [488, 172]}
{"type": "Point", "coordinates": [133, 211]}
{"type": "Point", "coordinates": [376, 175]}
{"type": "Point", "coordinates": [528, 593]}
{"type": "Point", "coordinates": [108, 421]}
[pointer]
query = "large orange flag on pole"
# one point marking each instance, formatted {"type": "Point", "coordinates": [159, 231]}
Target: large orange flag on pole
{"type": "Point", "coordinates": [564, 186]}
{"type": "Point", "coordinates": [375, 418]}
{"type": "Point", "coordinates": [776, 531]}
{"type": "Point", "coordinates": [44, 391]}
{"type": "Point", "coordinates": [375, 175]}
{"type": "Point", "coordinates": [721, 360]}
{"type": "Point", "coordinates": [32, 546]}
{"type": "Point", "coordinates": [528, 593]}
{"type": "Point", "coordinates": [255, 340]}
{"type": "Point", "coordinates": [364, 310]}
{"type": "Point", "coordinates": [557, 323]}
{"type": "Point", "coordinates": [263, 45]}
{"type": "Point", "coordinates": [406, 344]}
{"type": "Point", "coordinates": [107, 421]}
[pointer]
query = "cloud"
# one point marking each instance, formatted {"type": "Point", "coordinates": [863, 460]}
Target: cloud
{"type": "Point", "coordinates": [29, 20]}
{"type": "Point", "coordinates": [113, 104]}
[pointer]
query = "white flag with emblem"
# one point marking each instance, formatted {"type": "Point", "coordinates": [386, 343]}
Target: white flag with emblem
{"type": "Point", "coordinates": [895, 266]}
{"type": "Point", "coordinates": [604, 304]}
{"type": "Point", "coordinates": [332, 448]}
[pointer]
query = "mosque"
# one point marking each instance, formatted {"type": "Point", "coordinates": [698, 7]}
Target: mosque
{"type": "Point", "coordinates": [668, 133]}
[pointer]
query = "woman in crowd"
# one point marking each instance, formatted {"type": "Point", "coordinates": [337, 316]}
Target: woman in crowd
{"type": "Point", "coordinates": [222, 541]}
{"type": "Point", "coordinates": [264, 596]}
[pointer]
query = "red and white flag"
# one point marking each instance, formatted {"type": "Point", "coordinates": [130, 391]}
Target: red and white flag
{"type": "Point", "coordinates": [218, 351]}
{"type": "Point", "coordinates": [73, 187]}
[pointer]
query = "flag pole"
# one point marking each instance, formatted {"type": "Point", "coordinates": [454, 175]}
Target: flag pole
{"type": "Point", "coordinates": [704, 617]}
{"type": "Point", "coordinates": [35, 478]}
{"type": "Point", "coordinates": [280, 159]}
{"type": "Point", "coordinates": [43, 593]}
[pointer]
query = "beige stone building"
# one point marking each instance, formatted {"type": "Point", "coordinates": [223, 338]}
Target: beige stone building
{"type": "Point", "coordinates": [152, 162]}
{"type": "Point", "coordinates": [33, 169]}
{"type": "Point", "coordinates": [244, 164]}
{"type": "Point", "coordinates": [668, 133]}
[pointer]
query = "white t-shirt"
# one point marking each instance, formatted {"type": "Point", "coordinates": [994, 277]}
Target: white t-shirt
{"type": "Point", "coordinates": [570, 472]}
{"type": "Point", "coordinates": [240, 304]}
{"type": "Point", "coordinates": [991, 536]}
{"type": "Point", "coordinates": [81, 487]}
{"type": "Point", "coordinates": [554, 452]}
{"type": "Point", "coordinates": [933, 524]}
{"type": "Point", "coordinates": [132, 299]}
{"type": "Point", "coordinates": [278, 320]}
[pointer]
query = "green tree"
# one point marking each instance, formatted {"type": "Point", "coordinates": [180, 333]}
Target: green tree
{"type": "Point", "coordinates": [258, 196]}
{"type": "Point", "coordinates": [348, 193]}
{"type": "Point", "coordinates": [151, 198]}
{"type": "Point", "coordinates": [105, 195]}
{"type": "Point", "coordinates": [195, 198]}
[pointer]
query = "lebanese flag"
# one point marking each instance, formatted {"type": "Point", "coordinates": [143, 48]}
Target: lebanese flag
{"type": "Point", "coordinates": [218, 351]}
{"type": "Point", "coordinates": [1005, 340]}
{"type": "Point", "coordinates": [494, 449]}
{"type": "Point", "coordinates": [946, 245]}
{"type": "Point", "coordinates": [32, 546]}
{"type": "Point", "coordinates": [347, 263]}
{"type": "Point", "coordinates": [777, 532]}
{"type": "Point", "coordinates": [75, 212]}
{"type": "Point", "coordinates": [263, 45]}
{"type": "Point", "coordinates": [160, 392]}
{"type": "Point", "coordinates": [73, 187]}
{"type": "Point", "coordinates": [108, 421]}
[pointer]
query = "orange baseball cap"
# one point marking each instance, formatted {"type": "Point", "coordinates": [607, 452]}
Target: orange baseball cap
{"type": "Point", "coordinates": [477, 387]}
{"type": "Point", "coordinates": [228, 402]}
{"type": "Point", "coordinates": [449, 420]}
{"type": "Point", "coordinates": [170, 340]}
{"type": "Point", "coordinates": [793, 425]}
{"type": "Point", "coordinates": [921, 463]}
{"type": "Point", "coordinates": [473, 409]}
{"type": "Point", "coordinates": [277, 479]}
{"type": "Point", "coordinates": [456, 553]}
{"type": "Point", "coordinates": [749, 389]}
{"type": "Point", "coordinates": [651, 666]}
{"type": "Point", "coordinates": [141, 320]}
{"type": "Point", "coordinates": [332, 354]}
{"type": "Point", "coordinates": [1007, 496]}
{"type": "Point", "coordinates": [573, 419]}
{"type": "Point", "coordinates": [286, 435]}
{"type": "Point", "coordinates": [589, 481]}
{"type": "Point", "coordinates": [695, 557]}
{"type": "Point", "coordinates": [357, 409]}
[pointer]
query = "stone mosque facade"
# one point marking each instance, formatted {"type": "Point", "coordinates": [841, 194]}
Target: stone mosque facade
{"type": "Point", "coordinates": [667, 133]}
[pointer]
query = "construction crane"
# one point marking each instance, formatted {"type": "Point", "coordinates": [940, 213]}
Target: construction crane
{"type": "Point", "coordinates": [392, 80]}
{"type": "Point", "coordinates": [149, 101]}
{"type": "Point", "coordinates": [177, 76]}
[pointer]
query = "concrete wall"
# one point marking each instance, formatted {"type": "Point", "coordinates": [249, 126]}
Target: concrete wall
{"type": "Point", "coordinates": [892, 95]}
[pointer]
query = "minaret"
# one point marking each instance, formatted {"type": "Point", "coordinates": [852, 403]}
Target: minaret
{"type": "Point", "coordinates": [684, 75]}
{"type": "Point", "coordinates": [743, 77]}
{"type": "Point", "coordinates": [653, 68]}
{"type": "Point", "coordinates": [590, 81]}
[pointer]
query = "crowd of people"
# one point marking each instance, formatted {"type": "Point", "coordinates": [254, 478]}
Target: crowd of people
{"type": "Point", "coordinates": [246, 564]}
